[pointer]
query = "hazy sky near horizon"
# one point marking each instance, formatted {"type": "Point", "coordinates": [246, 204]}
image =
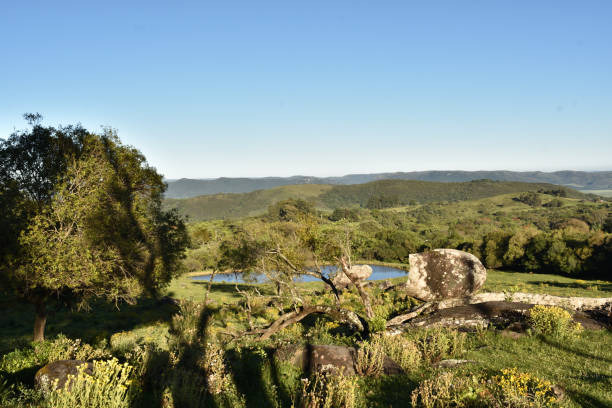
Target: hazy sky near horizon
{"type": "Point", "coordinates": [277, 88]}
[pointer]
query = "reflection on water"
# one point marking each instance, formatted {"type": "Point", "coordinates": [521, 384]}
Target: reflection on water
{"type": "Point", "coordinates": [378, 273]}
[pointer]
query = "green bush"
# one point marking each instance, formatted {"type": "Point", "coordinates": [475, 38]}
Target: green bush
{"type": "Point", "coordinates": [107, 387]}
{"type": "Point", "coordinates": [332, 390]}
{"type": "Point", "coordinates": [436, 344]}
{"type": "Point", "coordinates": [515, 389]}
{"type": "Point", "coordinates": [553, 321]}
{"type": "Point", "coordinates": [370, 358]}
{"type": "Point", "coordinates": [447, 390]}
{"type": "Point", "coordinates": [42, 353]}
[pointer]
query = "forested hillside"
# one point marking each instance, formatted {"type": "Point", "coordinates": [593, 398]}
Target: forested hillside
{"type": "Point", "coordinates": [378, 194]}
{"type": "Point", "coordinates": [184, 188]}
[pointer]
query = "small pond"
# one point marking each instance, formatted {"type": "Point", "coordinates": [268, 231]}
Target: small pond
{"type": "Point", "coordinates": [378, 273]}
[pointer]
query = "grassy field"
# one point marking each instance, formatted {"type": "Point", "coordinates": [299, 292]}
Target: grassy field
{"type": "Point", "coordinates": [582, 366]}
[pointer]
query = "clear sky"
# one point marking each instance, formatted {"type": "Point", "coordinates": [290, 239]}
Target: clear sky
{"type": "Point", "coordinates": [258, 88]}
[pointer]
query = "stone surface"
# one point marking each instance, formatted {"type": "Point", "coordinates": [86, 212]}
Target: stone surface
{"type": "Point", "coordinates": [453, 363]}
{"type": "Point", "coordinates": [360, 272]}
{"type": "Point", "coordinates": [59, 371]}
{"type": "Point", "coordinates": [324, 358]}
{"type": "Point", "coordinates": [444, 274]}
{"type": "Point", "coordinates": [471, 316]}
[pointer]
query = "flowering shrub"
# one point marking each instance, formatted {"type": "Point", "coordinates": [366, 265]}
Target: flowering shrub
{"type": "Point", "coordinates": [370, 358]}
{"type": "Point", "coordinates": [402, 350]}
{"type": "Point", "coordinates": [107, 387]}
{"type": "Point", "coordinates": [447, 390]}
{"type": "Point", "coordinates": [553, 321]}
{"type": "Point", "coordinates": [331, 390]}
{"type": "Point", "coordinates": [515, 389]}
{"type": "Point", "coordinates": [437, 344]}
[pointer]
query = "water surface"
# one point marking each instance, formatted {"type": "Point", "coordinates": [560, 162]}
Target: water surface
{"type": "Point", "coordinates": [378, 273]}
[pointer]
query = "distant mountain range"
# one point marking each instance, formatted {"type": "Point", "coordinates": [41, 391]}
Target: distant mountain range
{"type": "Point", "coordinates": [185, 188]}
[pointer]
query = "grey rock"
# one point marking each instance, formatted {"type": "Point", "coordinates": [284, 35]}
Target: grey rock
{"type": "Point", "coordinates": [56, 374]}
{"type": "Point", "coordinates": [325, 358]}
{"type": "Point", "coordinates": [358, 272]}
{"type": "Point", "coordinates": [444, 274]}
{"type": "Point", "coordinates": [453, 363]}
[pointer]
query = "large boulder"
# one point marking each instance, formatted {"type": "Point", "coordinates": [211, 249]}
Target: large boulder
{"type": "Point", "coordinates": [444, 274]}
{"type": "Point", "coordinates": [324, 358]}
{"type": "Point", "coordinates": [59, 371]}
{"type": "Point", "coordinates": [358, 272]}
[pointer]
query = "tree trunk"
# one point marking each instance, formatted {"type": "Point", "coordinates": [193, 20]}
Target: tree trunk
{"type": "Point", "coordinates": [40, 321]}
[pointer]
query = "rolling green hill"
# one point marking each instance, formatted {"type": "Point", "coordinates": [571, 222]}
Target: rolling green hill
{"type": "Point", "coordinates": [185, 188]}
{"type": "Point", "coordinates": [230, 206]}
{"type": "Point", "coordinates": [328, 197]}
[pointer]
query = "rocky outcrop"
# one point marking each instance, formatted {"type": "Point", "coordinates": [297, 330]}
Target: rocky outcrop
{"type": "Point", "coordinates": [358, 272]}
{"type": "Point", "coordinates": [324, 358]}
{"type": "Point", "coordinates": [471, 316]}
{"type": "Point", "coordinates": [56, 374]}
{"type": "Point", "coordinates": [444, 274]}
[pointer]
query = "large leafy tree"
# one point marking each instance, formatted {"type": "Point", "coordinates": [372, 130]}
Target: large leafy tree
{"type": "Point", "coordinates": [84, 219]}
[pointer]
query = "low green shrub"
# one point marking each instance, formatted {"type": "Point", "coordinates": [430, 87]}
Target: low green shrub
{"type": "Point", "coordinates": [553, 321]}
{"type": "Point", "coordinates": [107, 387]}
{"type": "Point", "coordinates": [448, 390]}
{"type": "Point", "coordinates": [403, 351]}
{"type": "Point", "coordinates": [370, 358]}
{"type": "Point", "coordinates": [331, 390]}
{"type": "Point", "coordinates": [42, 353]}
{"type": "Point", "coordinates": [436, 344]}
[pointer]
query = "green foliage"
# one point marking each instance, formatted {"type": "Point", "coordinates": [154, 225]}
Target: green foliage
{"type": "Point", "coordinates": [349, 214]}
{"type": "Point", "coordinates": [39, 354]}
{"type": "Point", "coordinates": [329, 391]}
{"type": "Point", "coordinates": [380, 194]}
{"type": "Point", "coordinates": [370, 358]}
{"type": "Point", "coordinates": [553, 321]}
{"type": "Point", "coordinates": [530, 198]}
{"type": "Point", "coordinates": [436, 344]}
{"type": "Point", "coordinates": [447, 390]}
{"type": "Point", "coordinates": [402, 350]}
{"type": "Point", "coordinates": [383, 201]}
{"type": "Point", "coordinates": [290, 210]}
{"type": "Point", "coordinates": [515, 389]}
{"type": "Point", "coordinates": [90, 224]}
{"type": "Point", "coordinates": [107, 387]}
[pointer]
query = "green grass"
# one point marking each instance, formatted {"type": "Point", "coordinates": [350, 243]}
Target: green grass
{"type": "Point", "coordinates": [582, 366]}
{"type": "Point", "coordinates": [498, 281]}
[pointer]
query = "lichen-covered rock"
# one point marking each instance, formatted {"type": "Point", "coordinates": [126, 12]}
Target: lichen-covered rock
{"type": "Point", "coordinates": [444, 274]}
{"type": "Point", "coordinates": [358, 272]}
{"type": "Point", "coordinates": [324, 358]}
{"type": "Point", "coordinates": [59, 371]}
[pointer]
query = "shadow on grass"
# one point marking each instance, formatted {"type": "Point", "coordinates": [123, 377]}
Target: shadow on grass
{"type": "Point", "coordinates": [568, 349]}
{"type": "Point", "coordinates": [585, 400]}
{"type": "Point", "coordinates": [17, 320]}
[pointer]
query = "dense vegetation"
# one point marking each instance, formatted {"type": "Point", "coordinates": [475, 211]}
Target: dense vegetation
{"type": "Point", "coordinates": [83, 219]}
{"type": "Point", "coordinates": [379, 194]}
{"type": "Point", "coordinates": [558, 235]}
{"type": "Point", "coordinates": [185, 188]}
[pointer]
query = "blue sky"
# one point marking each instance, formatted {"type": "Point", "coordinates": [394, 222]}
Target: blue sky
{"type": "Point", "coordinates": [259, 88]}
